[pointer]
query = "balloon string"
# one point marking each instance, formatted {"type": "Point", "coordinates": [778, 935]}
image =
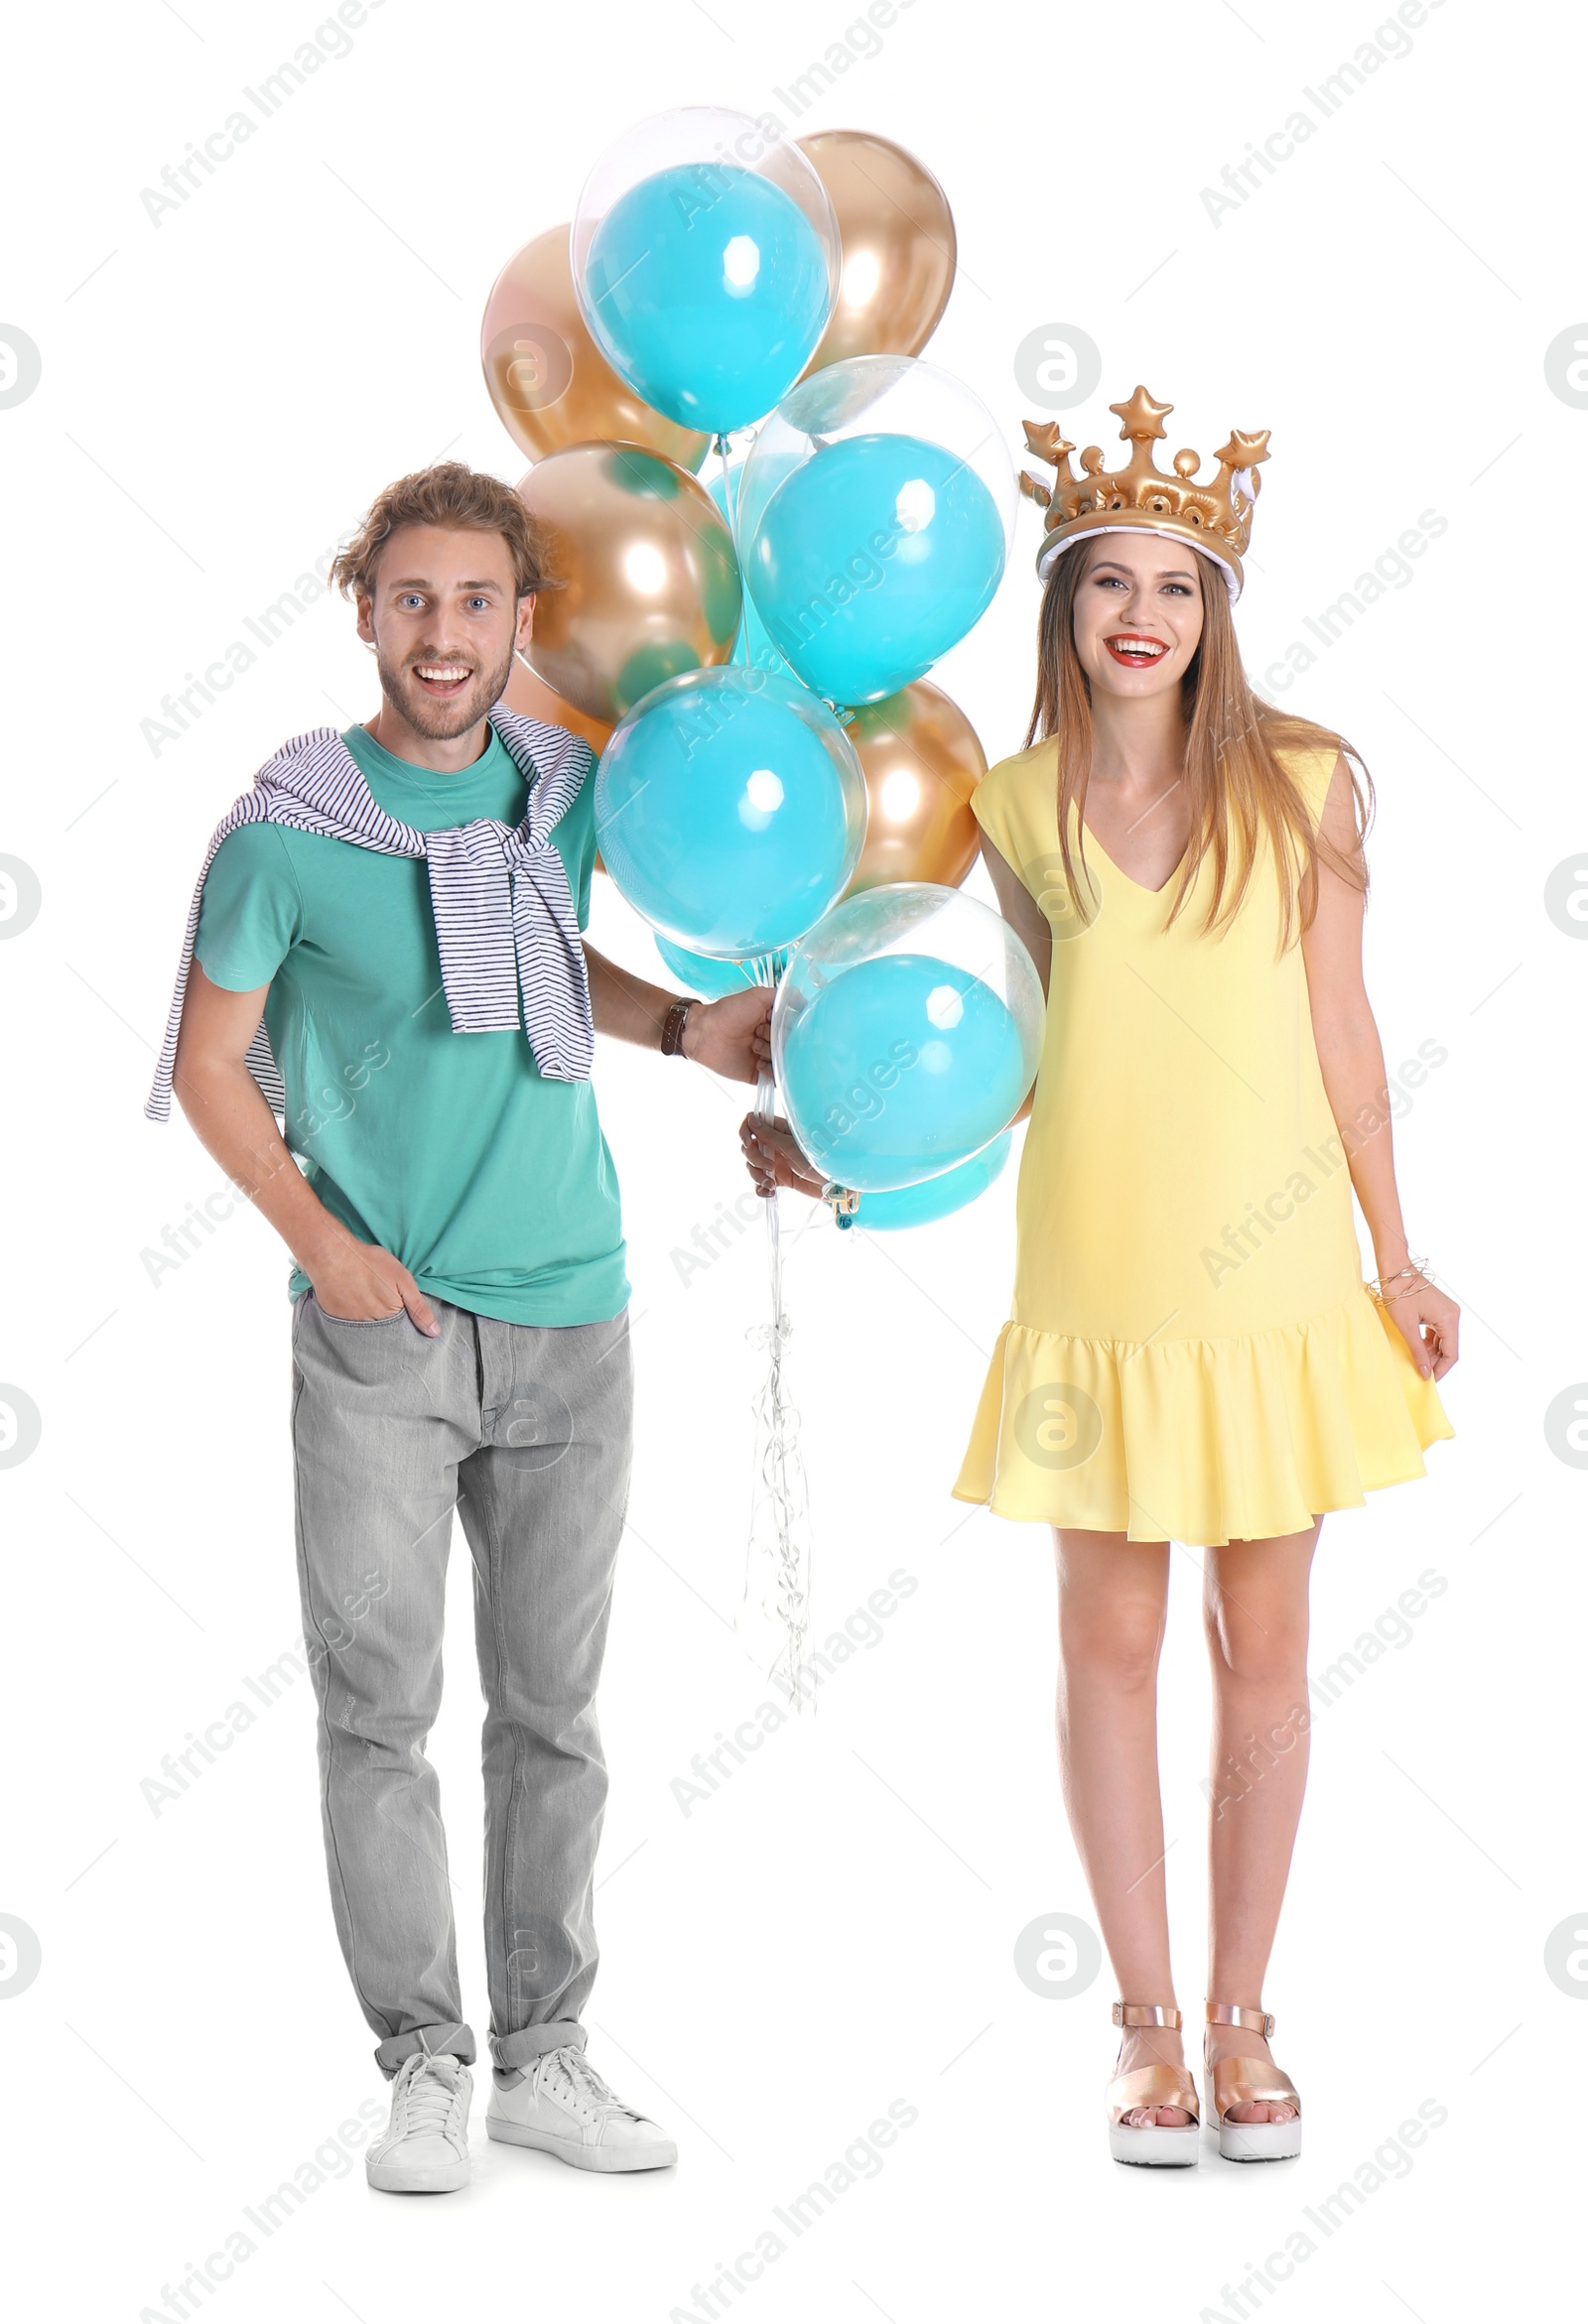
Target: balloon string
{"type": "Point", "coordinates": [730, 495]}
{"type": "Point", "coordinates": [777, 1577]}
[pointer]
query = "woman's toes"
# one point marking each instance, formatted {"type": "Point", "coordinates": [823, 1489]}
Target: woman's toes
{"type": "Point", "coordinates": [1260, 2111]}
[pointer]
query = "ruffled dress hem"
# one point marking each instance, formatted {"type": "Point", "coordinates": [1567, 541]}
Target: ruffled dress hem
{"type": "Point", "coordinates": [1201, 1441]}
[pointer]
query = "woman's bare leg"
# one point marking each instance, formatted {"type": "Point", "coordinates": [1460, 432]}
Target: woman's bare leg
{"type": "Point", "coordinates": [1112, 1598]}
{"type": "Point", "coordinates": [1254, 1605]}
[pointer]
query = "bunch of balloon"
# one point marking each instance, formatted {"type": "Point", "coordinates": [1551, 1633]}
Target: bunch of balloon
{"type": "Point", "coordinates": [874, 525]}
{"type": "Point", "coordinates": [730, 811]}
{"type": "Point", "coordinates": [709, 276]}
{"type": "Point", "coordinates": [750, 659]}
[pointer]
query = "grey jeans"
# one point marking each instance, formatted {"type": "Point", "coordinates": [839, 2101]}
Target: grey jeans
{"type": "Point", "coordinates": [526, 1429]}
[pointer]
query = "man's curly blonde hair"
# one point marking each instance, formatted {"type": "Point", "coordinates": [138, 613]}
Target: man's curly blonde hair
{"type": "Point", "coordinates": [448, 494]}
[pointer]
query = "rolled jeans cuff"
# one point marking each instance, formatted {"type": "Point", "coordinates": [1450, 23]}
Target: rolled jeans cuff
{"type": "Point", "coordinates": [510, 2051]}
{"type": "Point", "coordinates": [436, 2041]}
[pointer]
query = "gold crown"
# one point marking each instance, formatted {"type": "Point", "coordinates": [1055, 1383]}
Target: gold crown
{"type": "Point", "coordinates": [1216, 517]}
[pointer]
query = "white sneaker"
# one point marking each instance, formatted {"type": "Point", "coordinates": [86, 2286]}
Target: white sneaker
{"type": "Point", "coordinates": [425, 2150]}
{"type": "Point", "coordinates": [563, 2106]}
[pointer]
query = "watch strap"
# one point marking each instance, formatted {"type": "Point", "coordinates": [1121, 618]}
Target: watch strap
{"type": "Point", "coordinates": [673, 1028]}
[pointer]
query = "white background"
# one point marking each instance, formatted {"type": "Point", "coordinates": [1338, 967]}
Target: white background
{"type": "Point", "coordinates": [834, 1929]}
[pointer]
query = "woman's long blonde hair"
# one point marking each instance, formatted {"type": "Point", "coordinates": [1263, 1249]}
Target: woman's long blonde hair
{"type": "Point", "coordinates": [1234, 772]}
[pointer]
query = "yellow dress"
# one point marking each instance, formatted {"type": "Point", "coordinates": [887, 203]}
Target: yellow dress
{"type": "Point", "coordinates": [1192, 1353]}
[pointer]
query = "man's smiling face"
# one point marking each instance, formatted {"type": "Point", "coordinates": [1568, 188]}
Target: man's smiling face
{"type": "Point", "coordinates": [444, 623]}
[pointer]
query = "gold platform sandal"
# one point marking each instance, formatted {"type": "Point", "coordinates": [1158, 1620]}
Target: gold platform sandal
{"type": "Point", "coordinates": [1152, 2085]}
{"type": "Point", "coordinates": [1245, 2081]}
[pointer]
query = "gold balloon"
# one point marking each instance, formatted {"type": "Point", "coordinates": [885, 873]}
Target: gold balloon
{"type": "Point", "coordinates": [897, 232]}
{"type": "Point", "coordinates": [550, 384]}
{"type": "Point", "coordinates": [534, 699]}
{"type": "Point", "coordinates": [526, 694]}
{"type": "Point", "coordinates": [922, 760]}
{"type": "Point", "coordinates": [647, 579]}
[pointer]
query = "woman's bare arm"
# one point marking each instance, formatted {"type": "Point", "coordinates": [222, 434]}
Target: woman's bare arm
{"type": "Point", "coordinates": [1019, 909]}
{"type": "Point", "coordinates": [1350, 1058]}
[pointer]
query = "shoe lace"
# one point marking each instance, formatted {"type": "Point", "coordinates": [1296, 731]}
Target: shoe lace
{"type": "Point", "coordinates": [433, 2088]}
{"type": "Point", "coordinates": [575, 2080]}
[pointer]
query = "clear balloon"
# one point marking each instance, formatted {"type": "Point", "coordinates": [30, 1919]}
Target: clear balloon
{"type": "Point", "coordinates": [729, 811]}
{"type": "Point", "coordinates": [874, 523]}
{"type": "Point", "coordinates": [934, 1198]}
{"type": "Point", "coordinates": [705, 259]}
{"type": "Point", "coordinates": [714, 979]}
{"type": "Point", "coordinates": [907, 1033]}
{"type": "Point", "coordinates": [647, 581]}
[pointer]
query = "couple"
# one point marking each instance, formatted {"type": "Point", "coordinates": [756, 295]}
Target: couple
{"type": "Point", "coordinates": [458, 1326]}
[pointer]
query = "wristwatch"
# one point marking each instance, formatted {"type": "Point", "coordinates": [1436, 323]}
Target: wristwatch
{"type": "Point", "coordinates": [673, 1028]}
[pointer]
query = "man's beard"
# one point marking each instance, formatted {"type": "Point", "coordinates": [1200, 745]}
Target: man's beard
{"type": "Point", "coordinates": [442, 721]}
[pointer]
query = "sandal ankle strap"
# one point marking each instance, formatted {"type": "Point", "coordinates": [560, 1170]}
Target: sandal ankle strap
{"type": "Point", "coordinates": [1146, 2013]}
{"type": "Point", "coordinates": [1232, 2014]}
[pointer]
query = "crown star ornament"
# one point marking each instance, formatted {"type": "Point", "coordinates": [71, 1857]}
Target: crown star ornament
{"type": "Point", "coordinates": [1216, 517]}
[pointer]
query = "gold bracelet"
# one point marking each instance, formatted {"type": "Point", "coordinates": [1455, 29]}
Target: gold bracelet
{"type": "Point", "coordinates": [1418, 1269]}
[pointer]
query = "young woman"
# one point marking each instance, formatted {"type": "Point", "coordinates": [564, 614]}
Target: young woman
{"type": "Point", "coordinates": [1193, 1354]}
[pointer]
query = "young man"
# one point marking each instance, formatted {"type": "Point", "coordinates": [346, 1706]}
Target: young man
{"type": "Point", "coordinates": [386, 943]}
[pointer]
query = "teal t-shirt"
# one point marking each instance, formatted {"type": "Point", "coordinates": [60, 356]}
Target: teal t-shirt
{"type": "Point", "coordinates": [494, 1187]}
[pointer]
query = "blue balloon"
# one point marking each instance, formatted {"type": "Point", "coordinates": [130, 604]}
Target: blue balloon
{"type": "Point", "coordinates": [933, 1198]}
{"type": "Point", "coordinates": [729, 811]}
{"type": "Point", "coordinates": [871, 559]}
{"type": "Point", "coordinates": [899, 1067]}
{"type": "Point", "coordinates": [714, 979]}
{"type": "Point", "coordinates": [706, 287]}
